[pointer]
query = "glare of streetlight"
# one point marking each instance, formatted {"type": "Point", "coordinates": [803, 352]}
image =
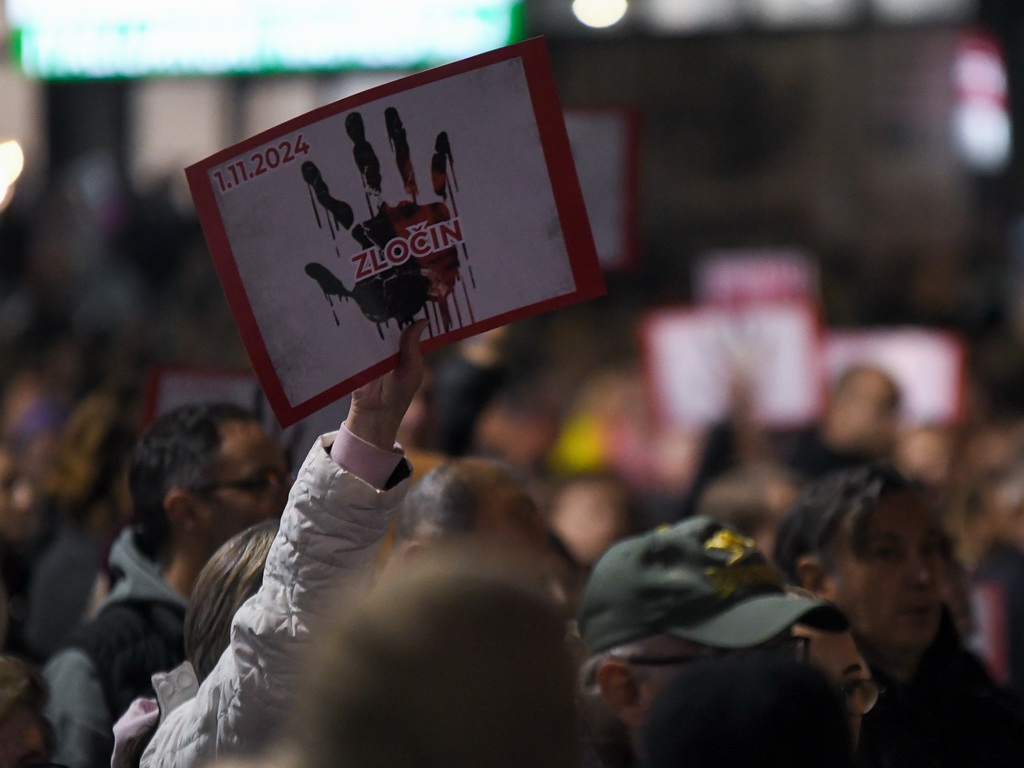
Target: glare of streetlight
{"type": "Point", "coordinates": [12, 161]}
{"type": "Point", "coordinates": [599, 13]}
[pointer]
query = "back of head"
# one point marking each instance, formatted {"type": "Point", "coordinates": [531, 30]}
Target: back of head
{"type": "Point", "coordinates": [748, 711]}
{"type": "Point", "coordinates": [862, 413]}
{"type": "Point", "coordinates": [752, 498]}
{"type": "Point", "coordinates": [230, 577]}
{"type": "Point", "coordinates": [589, 512]}
{"type": "Point", "coordinates": [470, 495]}
{"type": "Point", "coordinates": [444, 501]}
{"type": "Point", "coordinates": [177, 451]}
{"type": "Point", "coordinates": [86, 480]}
{"type": "Point", "coordinates": [450, 666]}
{"type": "Point", "coordinates": [813, 524]}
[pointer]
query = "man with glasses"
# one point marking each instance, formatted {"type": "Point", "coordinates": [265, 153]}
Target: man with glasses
{"type": "Point", "coordinates": [200, 474]}
{"type": "Point", "coordinates": [866, 539]}
{"type": "Point", "coordinates": [655, 602]}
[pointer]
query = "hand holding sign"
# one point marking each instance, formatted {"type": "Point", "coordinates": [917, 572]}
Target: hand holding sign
{"type": "Point", "coordinates": [378, 407]}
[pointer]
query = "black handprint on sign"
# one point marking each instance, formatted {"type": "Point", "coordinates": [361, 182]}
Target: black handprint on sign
{"type": "Point", "coordinates": [410, 251]}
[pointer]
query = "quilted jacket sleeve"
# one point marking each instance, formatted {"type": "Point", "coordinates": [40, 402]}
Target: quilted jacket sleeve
{"type": "Point", "coordinates": [328, 538]}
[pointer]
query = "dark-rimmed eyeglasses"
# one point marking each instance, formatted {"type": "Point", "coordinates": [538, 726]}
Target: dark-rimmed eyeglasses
{"type": "Point", "coordinates": [860, 696]}
{"type": "Point", "coordinates": [258, 483]}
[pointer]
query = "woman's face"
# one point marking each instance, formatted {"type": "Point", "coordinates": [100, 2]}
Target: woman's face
{"type": "Point", "coordinates": [836, 654]}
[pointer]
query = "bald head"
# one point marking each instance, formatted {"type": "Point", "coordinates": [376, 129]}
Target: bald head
{"type": "Point", "coordinates": [471, 496]}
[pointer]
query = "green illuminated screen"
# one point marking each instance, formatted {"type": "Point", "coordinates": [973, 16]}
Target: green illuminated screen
{"type": "Point", "coordinates": [60, 39]}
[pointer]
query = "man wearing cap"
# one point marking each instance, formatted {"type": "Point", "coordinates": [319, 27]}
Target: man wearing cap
{"type": "Point", "coordinates": [656, 601]}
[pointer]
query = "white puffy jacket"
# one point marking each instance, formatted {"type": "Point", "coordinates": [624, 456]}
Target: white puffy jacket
{"type": "Point", "coordinates": [329, 535]}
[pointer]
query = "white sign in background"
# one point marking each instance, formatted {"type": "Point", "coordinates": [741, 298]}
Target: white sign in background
{"type": "Point", "coordinates": [694, 356]}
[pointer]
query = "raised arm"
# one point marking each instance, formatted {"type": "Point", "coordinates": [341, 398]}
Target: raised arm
{"type": "Point", "coordinates": [338, 511]}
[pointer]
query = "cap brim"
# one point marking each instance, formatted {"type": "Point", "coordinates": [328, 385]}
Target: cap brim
{"type": "Point", "coordinates": [759, 619]}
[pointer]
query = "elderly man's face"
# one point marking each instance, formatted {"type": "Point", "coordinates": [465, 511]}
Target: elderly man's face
{"type": "Point", "coordinates": [891, 591]}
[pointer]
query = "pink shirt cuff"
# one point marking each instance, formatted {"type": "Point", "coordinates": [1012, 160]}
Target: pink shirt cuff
{"type": "Point", "coordinates": [367, 462]}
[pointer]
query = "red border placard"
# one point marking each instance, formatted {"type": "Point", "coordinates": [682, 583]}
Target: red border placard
{"type": "Point", "coordinates": [561, 169]}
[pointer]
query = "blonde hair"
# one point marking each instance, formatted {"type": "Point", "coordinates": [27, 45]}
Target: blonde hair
{"type": "Point", "coordinates": [231, 576]}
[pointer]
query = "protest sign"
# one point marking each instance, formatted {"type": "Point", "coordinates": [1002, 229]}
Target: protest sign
{"type": "Point", "coordinates": [450, 195]}
{"type": "Point", "coordinates": [739, 276]}
{"type": "Point", "coordinates": [696, 357]}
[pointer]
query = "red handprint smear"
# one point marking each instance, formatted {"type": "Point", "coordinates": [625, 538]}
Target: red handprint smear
{"type": "Point", "coordinates": [409, 262]}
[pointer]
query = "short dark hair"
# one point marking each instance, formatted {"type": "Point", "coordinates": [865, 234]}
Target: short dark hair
{"type": "Point", "coordinates": [177, 451]}
{"type": "Point", "coordinates": [812, 524]}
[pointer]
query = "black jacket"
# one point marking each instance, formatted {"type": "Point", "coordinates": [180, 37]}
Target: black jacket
{"type": "Point", "coordinates": [951, 715]}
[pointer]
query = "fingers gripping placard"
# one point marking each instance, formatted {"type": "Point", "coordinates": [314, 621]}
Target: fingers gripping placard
{"type": "Point", "coordinates": [407, 265]}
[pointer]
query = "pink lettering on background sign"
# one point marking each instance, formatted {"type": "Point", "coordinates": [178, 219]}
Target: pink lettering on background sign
{"type": "Point", "coordinates": [742, 279]}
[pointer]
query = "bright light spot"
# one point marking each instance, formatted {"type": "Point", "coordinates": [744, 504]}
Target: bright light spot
{"type": "Point", "coordinates": [12, 161]}
{"type": "Point", "coordinates": [983, 135]}
{"type": "Point", "coordinates": [599, 13]}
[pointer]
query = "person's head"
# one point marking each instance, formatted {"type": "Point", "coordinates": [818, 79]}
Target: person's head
{"type": "Point", "coordinates": [26, 737]}
{"type": "Point", "coordinates": [751, 498]}
{"type": "Point", "coordinates": [200, 474]}
{"type": "Point", "coordinates": [928, 455]}
{"type": "Point", "coordinates": [446, 666]}
{"type": "Point", "coordinates": [659, 600]}
{"type": "Point", "coordinates": [862, 412]}
{"type": "Point", "coordinates": [756, 710]}
{"type": "Point", "coordinates": [866, 539]}
{"type": "Point", "coordinates": [1001, 505]}
{"type": "Point", "coordinates": [470, 496]}
{"type": "Point", "coordinates": [589, 513]}
{"type": "Point", "coordinates": [836, 654]}
{"type": "Point", "coordinates": [87, 482]}
{"type": "Point", "coordinates": [230, 577]}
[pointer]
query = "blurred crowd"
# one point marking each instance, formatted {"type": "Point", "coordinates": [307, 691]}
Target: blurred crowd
{"type": "Point", "coordinates": [526, 579]}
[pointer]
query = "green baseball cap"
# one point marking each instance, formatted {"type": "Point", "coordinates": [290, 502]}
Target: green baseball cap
{"type": "Point", "coordinates": [698, 580]}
